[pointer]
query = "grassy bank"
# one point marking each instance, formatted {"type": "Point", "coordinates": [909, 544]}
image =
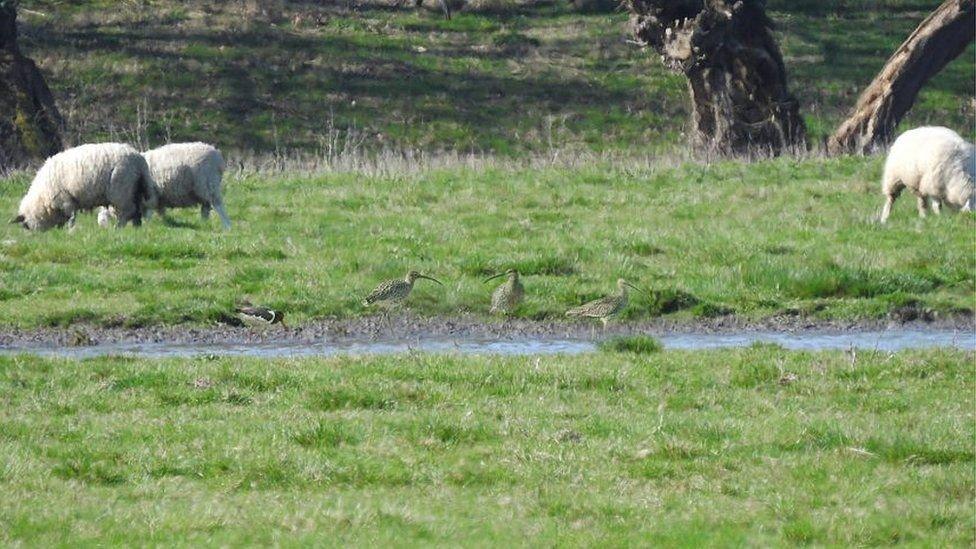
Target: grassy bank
{"type": "Point", "coordinates": [506, 77]}
{"type": "Point", "coordinates": [757, 447]}
{"type": "Point", "coordinates": [777, 237]}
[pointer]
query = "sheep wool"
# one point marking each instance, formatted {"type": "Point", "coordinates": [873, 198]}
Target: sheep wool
{"type": "Point", "coordinates": [189, 174]}
{"type": "Point", "coordinates": [936, 165]}
{"type": "Point", "coordinates": [83, 178]}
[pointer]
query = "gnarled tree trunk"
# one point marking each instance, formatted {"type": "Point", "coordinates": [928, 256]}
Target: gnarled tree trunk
{"type": "Point", "coordinates": [940, 38]}
{"type": "Point", "coordinates": [735, 71]}
{"type": "Point", "coordinates": [29, 121]}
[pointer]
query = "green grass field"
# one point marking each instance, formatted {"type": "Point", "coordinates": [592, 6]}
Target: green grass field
{"type": "Point", "coordinates": [502, 77]}
{"type": "Point", "coordinates": [347, 126]}
{"type": "Point", "coordinates": [759, 447]}
{"type": "Point", "coordinates": [770, 238]}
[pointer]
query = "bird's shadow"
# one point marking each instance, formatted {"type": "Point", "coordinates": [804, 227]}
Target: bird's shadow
{"type": "Point", "coordinates": [229, 320]}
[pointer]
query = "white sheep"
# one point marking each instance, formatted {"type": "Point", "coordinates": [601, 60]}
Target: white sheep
{"type": "Point", "coordinates": [189, 174]}
{"type": "Point", "coordinates": [935, 164]}
{"type": "Point", "coordinates": [185, 174]}
{"type": "Point", "coordinates": [83, 178]}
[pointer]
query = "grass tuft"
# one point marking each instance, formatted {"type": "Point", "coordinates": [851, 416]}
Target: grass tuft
{"type": "Point", "coordinates": [327, 434]}
{"type": "Point", "coordinates": [639, 345]}
{"type": "Point", "coordinates": [670, 300]}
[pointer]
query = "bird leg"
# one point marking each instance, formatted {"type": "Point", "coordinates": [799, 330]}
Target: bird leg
{"type": "Point", "coordinates": [395, 306]}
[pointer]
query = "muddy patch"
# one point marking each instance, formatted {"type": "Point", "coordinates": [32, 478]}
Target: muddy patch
{"type": "Point", "coordinates": [475, 335]}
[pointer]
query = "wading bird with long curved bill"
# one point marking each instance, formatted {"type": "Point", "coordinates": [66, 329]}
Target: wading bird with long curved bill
{"type": "Point", "coordinates": [607, 306]}
{"type": "Point", "coordinates": [507, 297]}
{"type": "Point", "coordinates": [393, 292]}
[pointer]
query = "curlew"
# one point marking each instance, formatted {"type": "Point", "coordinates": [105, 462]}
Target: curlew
{"type": "Point", "coordinates": [507, 297]}
{"type": "Point", "coordinates": [605, 307]}
{"type": "Point", "coordinates": [393, 292]}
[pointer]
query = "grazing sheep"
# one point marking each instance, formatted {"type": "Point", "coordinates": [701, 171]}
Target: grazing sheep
{"type": "Point", "coordinates": [83, 178]}
{"type": "Point", "coordinates": [934, 163]}
{"type": "Point", "coordinates": [186, 174]}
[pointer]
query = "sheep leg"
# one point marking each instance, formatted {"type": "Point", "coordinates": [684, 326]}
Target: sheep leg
{"type": "Point", "coordinates": [205, 211]}
{"type": "Point", "coordinates": [125, 196]}
{"type": "Point", "coordinates": [130, 212]}
{"type": "Point", "coordinates": [105, 215]}
{"type": "Point", "coordinates": [222, 213]}
{"type": "Point", "coordinates": [135, 218]}
{"type": "Point", "coordinates": [936, 206]}
{"type": "Point", "coordinates": [886, 211]}
{"type": "Point", "coordinates": [161, 210]}
{"type": "Point", "coordinates": [920, 202]}
{"type": "Point", "coordinates": [892, 192]}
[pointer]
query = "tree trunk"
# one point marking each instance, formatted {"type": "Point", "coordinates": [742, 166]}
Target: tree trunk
{"type": "Point", "coordinates": [737, 80]}
{"type": "Point", "coordinates": [29, 121]}
{"type": "Point", "coordinates": [940, 38]}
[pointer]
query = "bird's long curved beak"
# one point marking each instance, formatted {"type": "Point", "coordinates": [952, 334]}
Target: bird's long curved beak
{"type": "Point", "coordinates": [493, 277]}
{"type": "Point", "coordinates": [430, 278]}
{"type": "Point", "coordinates": [628, 284]}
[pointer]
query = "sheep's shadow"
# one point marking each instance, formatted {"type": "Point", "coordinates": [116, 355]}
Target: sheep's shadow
{"type": "Point", "coordinates": [178, 224]}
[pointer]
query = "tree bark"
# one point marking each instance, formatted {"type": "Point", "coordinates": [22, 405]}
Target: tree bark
{"type": "Point", "coordinates": [736, 76]}
{"type": "Point", "coordinates": [29, 120]}
{"type": "Point", "coordinates": [940, 38]}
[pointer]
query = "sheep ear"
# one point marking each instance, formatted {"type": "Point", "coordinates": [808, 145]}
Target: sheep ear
{"type": "Point", "coordinates": [18, 219]}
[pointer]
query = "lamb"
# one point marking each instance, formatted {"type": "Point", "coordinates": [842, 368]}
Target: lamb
{"type": "Point", "coordinates": [85, 177]}
{"type": "Point", "coordinates": [936, 164]}
{"type": "Point", "coordinates": [186, 174]}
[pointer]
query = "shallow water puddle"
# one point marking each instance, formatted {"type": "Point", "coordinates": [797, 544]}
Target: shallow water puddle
{"type": "Point", "coordinates": [882, 340]}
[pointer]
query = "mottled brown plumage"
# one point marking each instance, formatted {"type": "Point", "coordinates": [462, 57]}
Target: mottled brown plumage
{"type": "Point", "coordinates": [507, 297]}
{"type": "Point", "coordinates": [392, 292]}
{"type": "Point", "coordinates": [604, 307]}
